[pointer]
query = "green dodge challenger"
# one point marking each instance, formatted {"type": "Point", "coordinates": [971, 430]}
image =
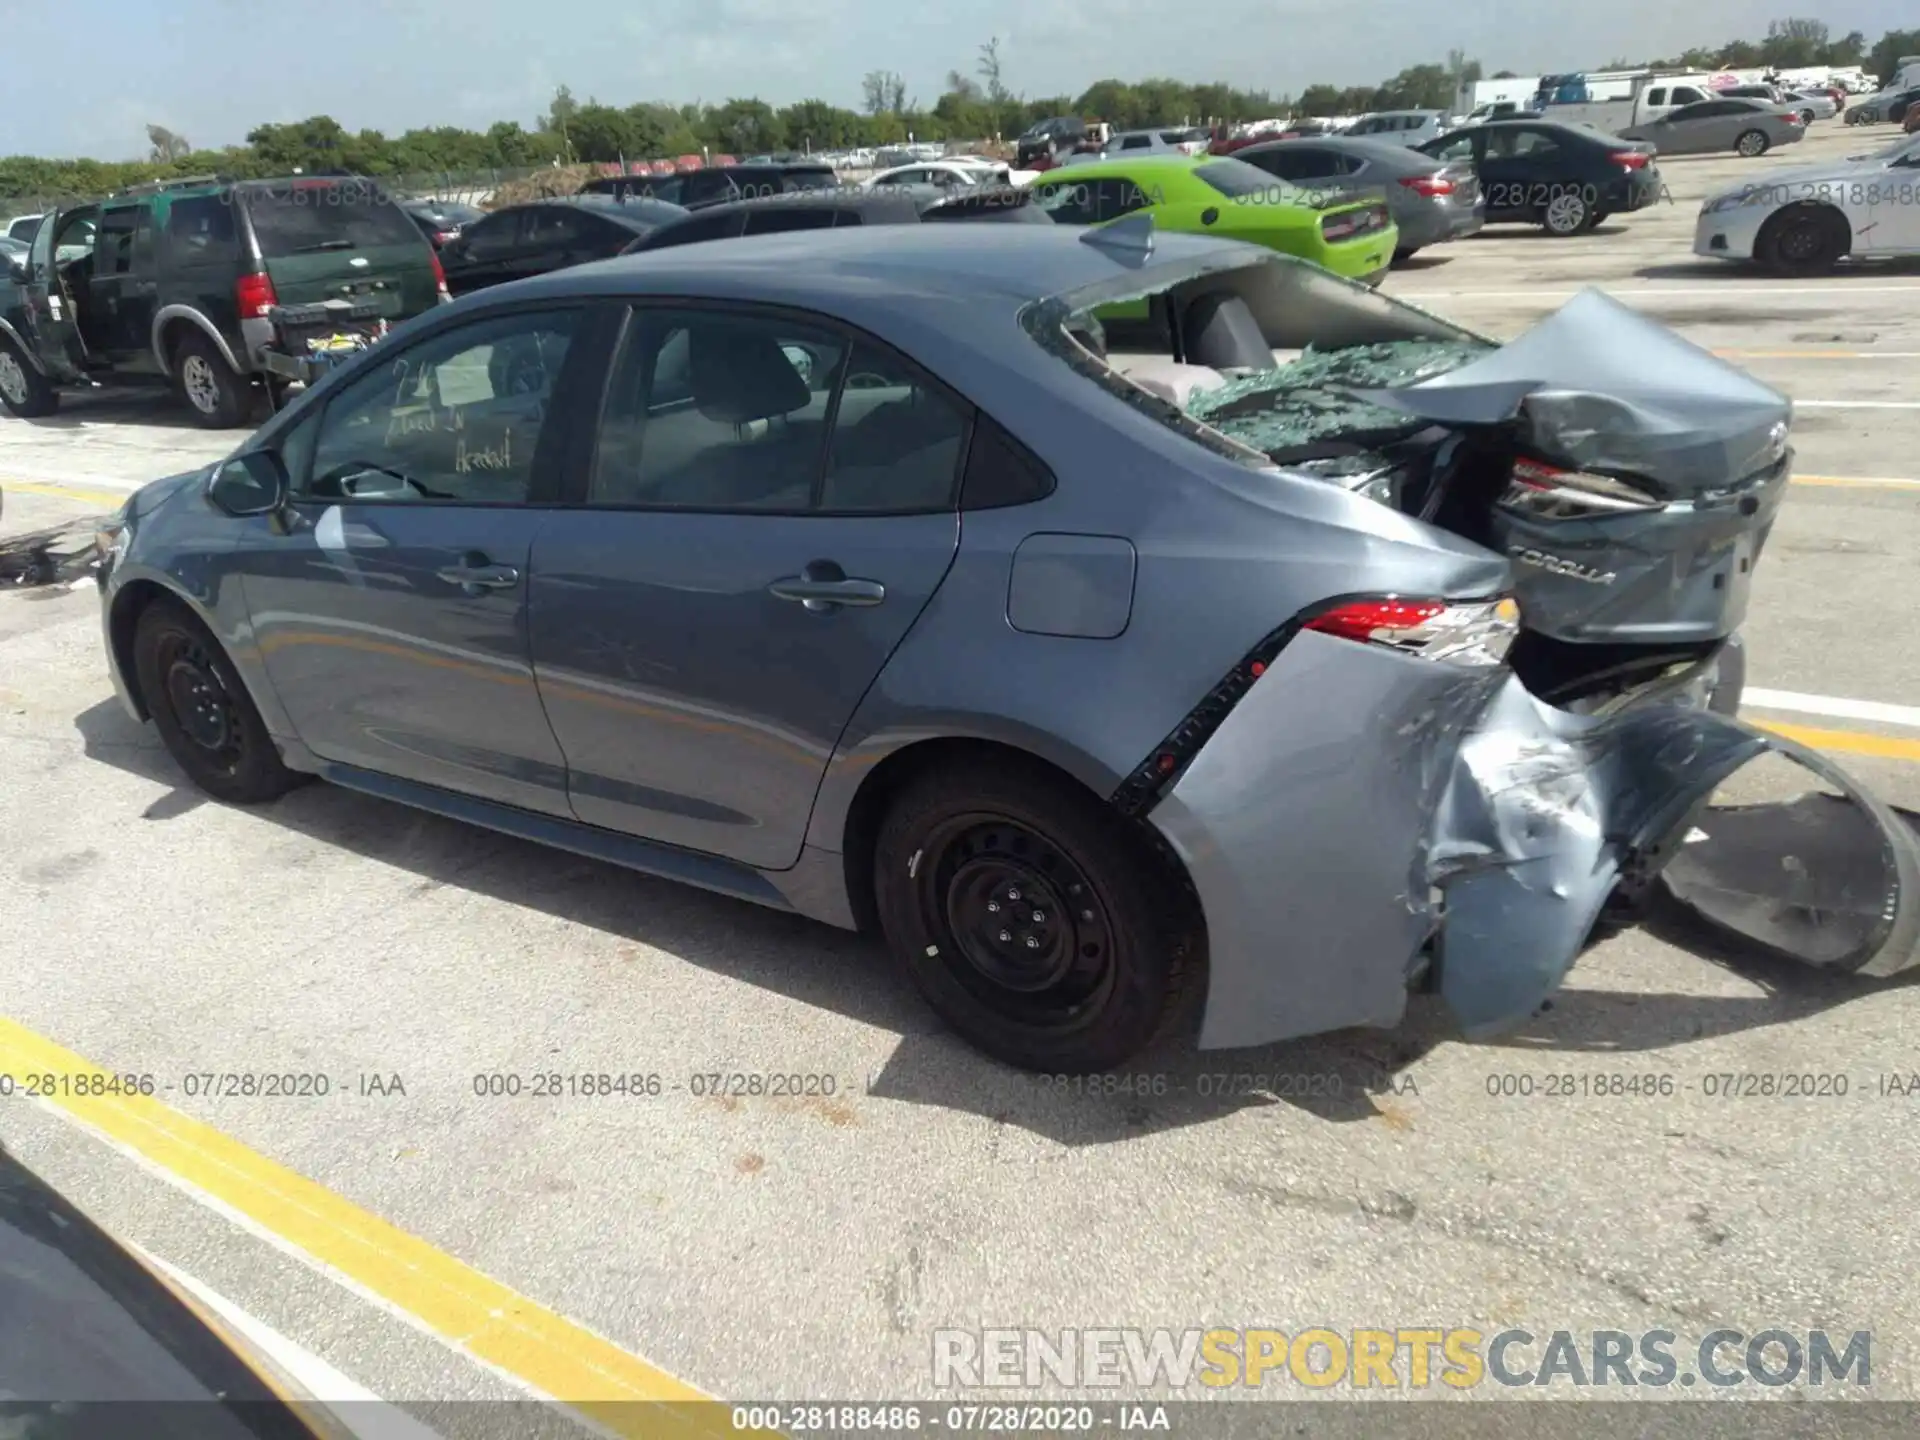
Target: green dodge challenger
{"type": "Point", "coordinates": [1218, 195]}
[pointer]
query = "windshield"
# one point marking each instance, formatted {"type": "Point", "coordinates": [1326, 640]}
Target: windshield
{"type": "Point", "coordinates": [311, 216]}
{"type": "Point", "coordinates": [1907, 145]}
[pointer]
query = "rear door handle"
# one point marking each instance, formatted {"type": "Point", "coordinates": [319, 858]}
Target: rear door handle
{"type": "Point", "coordinates": [823, 585]}
{"type": "Point", "coordinates": [475, 575]}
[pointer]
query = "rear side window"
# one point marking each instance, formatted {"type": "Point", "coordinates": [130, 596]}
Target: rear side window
{"type": "Point", "coordinates": [309, 217]}
{"type": "Point", "coordinates": [1001, 471]}
{"type": "Point", "coordinates": [201, 231]}
{"type": "Point", "coordinates": [809, 180]}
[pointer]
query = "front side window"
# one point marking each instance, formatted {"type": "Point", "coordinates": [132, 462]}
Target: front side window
{"type": "Point", "coordinates": [492, 237]}
{"type": "Point", "coordinates": [456, 417]}
{"type": "Point", "coordinates": [114, 253]}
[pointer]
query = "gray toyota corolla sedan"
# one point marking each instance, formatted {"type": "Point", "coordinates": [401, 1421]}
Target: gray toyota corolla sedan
{"type": "Point", "coordinates": [1105, 617]}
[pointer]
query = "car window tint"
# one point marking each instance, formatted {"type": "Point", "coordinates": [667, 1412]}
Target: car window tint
{"type": "Point", "coordinates": [715, 411]}
{"type": "Point", "coordinates": [777, 218]}
{"type": "Point", "coordinates": [1116, 195]}
{"type": "Point", "coordinates": [200, 230]}
{"type": "Point", "coordinates": [1657, 96]}
{"type": "Point", "coordinates": [707, 227]}
{"type": "Point", "coordinates": [492, 236]}
{"type": "Point", "coordinates": [549, 227]}
{"type": "Point", "coordinates": [896, 443]}
{"type": "Point", "coordinates": [308, 216]}
{"type": "Point", "coordinates": [1460, 148]}
{"type": "Point", "coordinates": [455, 417]}
{"type": "Point", "coordinates": [113, 252]}
{"type": "Point", "coordinates": [1067, 202]}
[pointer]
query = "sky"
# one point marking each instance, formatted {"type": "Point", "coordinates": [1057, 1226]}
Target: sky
{"type": "Point", "coordinates": [85, 77]}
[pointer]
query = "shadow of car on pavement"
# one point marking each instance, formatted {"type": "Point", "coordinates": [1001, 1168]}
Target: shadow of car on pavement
{"type": "Point", "coordinates": [1342, 1077]}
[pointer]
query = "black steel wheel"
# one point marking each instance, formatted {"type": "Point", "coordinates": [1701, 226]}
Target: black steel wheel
{"type": "Point", "coordinates": [1035, 923]}
{"type": "Point", "coordinates": [1801, 240]}
{"type": "Point", "coordinates": [202, 710]}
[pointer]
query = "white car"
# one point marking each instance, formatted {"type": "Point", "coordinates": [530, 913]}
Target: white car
{"type": "Point", "coordinates": [1804, 219]}
{"type": "Point", "coordinates": [955, 174]}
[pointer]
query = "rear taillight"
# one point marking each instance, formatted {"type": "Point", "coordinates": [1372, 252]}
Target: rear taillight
{"type": "Point", "coordinates": [1348, 223]}
{"type": "Point", "coordinates": [441, 237]}
{"type": "Point", "coordinates": [253, 295]}
{"type": "Point", "coordinates": [1471, 633]}
{"type": "Point", "coordinates": [1792, 117]}
{"type": "Point", "coordinates": [1546, 492]}
{"type": "Point", "coordinates": [1475, 633]}
{"type": "Point", "coordinates": [1428, 185]}
{"type": "Point", "coordinates": [1630, 159]}
{"type": "Point", "coordinates": [439, 277]}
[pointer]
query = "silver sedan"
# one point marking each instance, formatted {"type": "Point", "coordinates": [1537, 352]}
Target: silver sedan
{"type": "Point", "coordinates": [1746, 127]}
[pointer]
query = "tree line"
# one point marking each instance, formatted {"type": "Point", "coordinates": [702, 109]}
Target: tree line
{"type": "Point", "coordinates": [976, 104]}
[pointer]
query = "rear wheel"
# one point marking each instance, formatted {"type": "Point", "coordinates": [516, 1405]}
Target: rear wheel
{"type": "Point", "coordinates": [201, 708]}
{"type": "Point", "coordinates": [1043, 931]}
{"type": "Point", "coordinates": [1405, 253]}
{"type": "Point", "coordinates": [219, 398]}
{"type": "Point", "coordinates": [1803, 240]}
{"type": "Point", "coordinates": [23, 389]}
{"type": "Point", "coordinates": [1751, 143]}
{"type": "Point", "coordinates": [1566, 214]}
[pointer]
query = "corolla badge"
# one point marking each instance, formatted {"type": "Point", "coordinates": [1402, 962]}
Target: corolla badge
{"type": "Point", "coordinates": [1569, 568]}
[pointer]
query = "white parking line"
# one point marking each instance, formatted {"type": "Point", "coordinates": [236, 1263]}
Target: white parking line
{"type": "Point", "coordinates": [359, 1409]}
{"type": "Point", "coordinates": [1832, 706]}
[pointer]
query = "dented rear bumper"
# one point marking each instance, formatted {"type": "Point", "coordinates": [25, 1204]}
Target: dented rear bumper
{"type": "Point", "coordinates": [1361, 815]}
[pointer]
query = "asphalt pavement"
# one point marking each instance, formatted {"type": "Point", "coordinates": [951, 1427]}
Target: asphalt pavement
{"type": "Point", "coordinates": [440, 1244]}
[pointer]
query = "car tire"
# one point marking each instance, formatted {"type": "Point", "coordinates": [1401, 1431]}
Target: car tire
{"type": "Point", "coordinates": [1566, 214]}
{"type": "Point", "coordinates": [23, 389]}
{"type": "Point", "coordinates": [1802, 240]}
{"type": "Point", "coordinates": [1751, 143]}
{"type": "Point", "coordinates": [203, 712]}
{"type": "Point", "coordinates": [1405, 253]}
{"type": "Point", "coordinates": [1806, 117]}
{"type": "Point", "coordinates": [1095, 979]}
{"type": "Point", "coordinates": [218, 398]}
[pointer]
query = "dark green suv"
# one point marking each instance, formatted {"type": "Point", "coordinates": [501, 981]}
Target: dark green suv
{"type": "Point", "coordinates": [184, 284]}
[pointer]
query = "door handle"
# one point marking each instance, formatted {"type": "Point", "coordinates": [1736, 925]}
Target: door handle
{"type": "Point", "coordinates": [824, 586]}
{"type": "Point", "coordinates": [475, 575]}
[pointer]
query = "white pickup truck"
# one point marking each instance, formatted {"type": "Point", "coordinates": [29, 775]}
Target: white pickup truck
{"type": "Point", "coordinates": [1646, 98]}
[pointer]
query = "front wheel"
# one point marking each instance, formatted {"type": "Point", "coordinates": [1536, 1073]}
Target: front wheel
{"type": "Point", "coordinates": [1036, 924]}
{"type": "Point", "coordinates": [1803, 240]}
{"type": "Point", "coordinates": [201, 708]}
{"type": "Point", "coordinates": [1751, 143]}
{"type": "Point", "coordinates": [23, 389]}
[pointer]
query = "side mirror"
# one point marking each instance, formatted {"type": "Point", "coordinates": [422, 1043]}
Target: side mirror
{"type": "Point", "coordinates": [251, 484]}
{"type": "Point", "coordinates": [17, 271]}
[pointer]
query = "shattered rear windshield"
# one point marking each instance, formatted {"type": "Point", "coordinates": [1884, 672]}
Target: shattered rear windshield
{"type": "Point", "coordinates": [1310, 398]}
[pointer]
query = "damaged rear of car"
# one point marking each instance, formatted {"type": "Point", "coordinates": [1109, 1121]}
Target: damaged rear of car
{"type": "Point", "coordinates": [1414, 785]}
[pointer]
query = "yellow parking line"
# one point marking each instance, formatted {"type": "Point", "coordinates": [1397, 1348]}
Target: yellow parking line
{"type": "Point", "coordinates": [470, 1311]}
{"type": "Point", "coordinates": [1884, 482]}
{"type": "Point", "coordinates": [1855, 742]}
{"type": "Point", "coordinates": [84, 493]}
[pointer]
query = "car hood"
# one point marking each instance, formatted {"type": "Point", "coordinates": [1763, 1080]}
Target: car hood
{"type": "Point", "coordinates": [155, 493]}
{"type": "Point", "coordinates": [1840, 168]}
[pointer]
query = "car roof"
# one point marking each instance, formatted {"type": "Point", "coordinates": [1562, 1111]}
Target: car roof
{"type": "Point", "coordinates": [636, 210]}
{"type": "Point", "coordinates": [1361, 145]}
{"type": "Point", "coordinates": [917, 270]}
{"type": "Point", "coordinates": [1167, 161]}
{"type": "Point", "coordinates": [886, 197]}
